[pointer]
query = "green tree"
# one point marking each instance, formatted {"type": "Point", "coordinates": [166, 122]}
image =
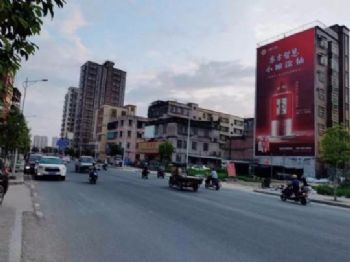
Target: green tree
{"type": "Point", "coordinates": [166, 149]}
{"type": "Point", "coordinates": [20, 20]}
{"type": "Point", "coordinates": [115, 150]}
{"type": "Point", "coordinates": [335, 149]}
{"type": "Point", "coordinates": [14, 133]}
{"type": "Point", "coordinates": [335, 145]}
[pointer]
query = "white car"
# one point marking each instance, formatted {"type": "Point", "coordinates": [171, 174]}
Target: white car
{"type": "Point", "coordinates": [51, 166]}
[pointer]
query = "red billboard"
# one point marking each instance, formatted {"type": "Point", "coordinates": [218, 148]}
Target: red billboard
{"type": "Point", "coordinates": [285, 96]}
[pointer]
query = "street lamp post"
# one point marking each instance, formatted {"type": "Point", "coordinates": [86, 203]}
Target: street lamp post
{"type": "Point", "coordinates": [25, 86]}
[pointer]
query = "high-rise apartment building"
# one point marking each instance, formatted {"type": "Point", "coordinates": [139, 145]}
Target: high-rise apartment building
{"type": "Point", "coordinates": [99, 85]}
{"type": "Point", "coordinates": [302, 88]}
{"type": "Point", "coordinates": [40, 142]}
{"type": "Point", "coordinates": [68, 117]}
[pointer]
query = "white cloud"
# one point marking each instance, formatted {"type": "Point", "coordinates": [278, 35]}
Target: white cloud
{"type": "Point", "coordinates": [60, 55]}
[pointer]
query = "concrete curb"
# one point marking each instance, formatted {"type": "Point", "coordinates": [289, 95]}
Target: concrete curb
{"type": "Point", "coordinates": [16, 182]}
{"type": "Point", "coordinates": [320, 201]}
{"type": "Point", "coordinates": [36, 206]}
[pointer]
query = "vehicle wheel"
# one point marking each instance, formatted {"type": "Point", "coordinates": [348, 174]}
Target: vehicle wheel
{"type": "Point", "coordinates": [217, 187]}
{"type": "Point", "coordinates": [303, 201]}
{"type": "Point", "coordinates": [195, 188]}
{"type": "Point", "coordinates": [283, 198]}
{"type": "Point", "coordinates": [181, 187]}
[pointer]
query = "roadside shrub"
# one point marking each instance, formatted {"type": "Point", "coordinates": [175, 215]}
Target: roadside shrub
{"type": "Point", "coordinates": [324, 190]}
{"type": "Point", "coordinates": [248, 178]}
{"type": "Point", "coordinates": [344, 191]}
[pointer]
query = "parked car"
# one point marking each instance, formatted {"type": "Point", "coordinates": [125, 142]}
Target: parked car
{"type": "Point", "coordinates": [84, 164]}
{"type": "Point", "coordinates": [31, 163]}
{"type": "Point", "coordinates": [51, 166]}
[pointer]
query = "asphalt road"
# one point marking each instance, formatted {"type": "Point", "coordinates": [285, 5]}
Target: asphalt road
{"type": "Point", "coordinates": [125, 218]}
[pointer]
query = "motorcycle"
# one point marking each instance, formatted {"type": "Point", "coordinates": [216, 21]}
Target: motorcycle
{"type": "Point", "coordinates": [301, 196]}
{"type": "Point", "coordinates": [104, 166]}
{"type": "Point", "coordinates": [160, 174]}
{"type": "Point", "coordinates": [212, 183]}
{"type": "Point", "coordinates": [93, 177]}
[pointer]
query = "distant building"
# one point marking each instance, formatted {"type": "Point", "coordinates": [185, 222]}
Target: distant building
{"type": "Point", "coordinates": [99, 85]}
{"type": "Point", "coordinates": [54, 141]}
{"type": "Point", "coordinates": [241, 148]}
{"type": "Point", "coordinates": [40, 142]}
{"type": "Point", "coordinates": [210, 130]}
{"type": "Point", "coordinates": [69, 109]}
{"type": "Point", "coordinates": [127, 131]}
{"type": "Point", "coordinates": [103, 116]}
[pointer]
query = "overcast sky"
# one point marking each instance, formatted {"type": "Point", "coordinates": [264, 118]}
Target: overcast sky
{"type": "Point", "coordinates": [190, 50]}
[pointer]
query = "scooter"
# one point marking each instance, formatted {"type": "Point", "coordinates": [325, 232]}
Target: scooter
{"type": "Point", "coordinates": [93, 177]}
{"type": "Point", "coordinates": [301, 196]}
{"type": "Point", "coordinates": [212, 183]}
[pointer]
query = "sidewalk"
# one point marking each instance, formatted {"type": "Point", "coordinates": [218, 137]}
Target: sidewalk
{"type": "Point", "coordinates": [17, 201]}
{"type": "Point", "coordinates": [17, 179]}
{"type": "Point", "coordinates": [313, 197]}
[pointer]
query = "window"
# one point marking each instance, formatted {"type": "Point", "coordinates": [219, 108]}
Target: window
{"type": "Point", "coordinates": [321, 76]}
{"type": "Point", "coordinates": [178, 158]}
{"type": "Point", "coordinates": [322, 59]}
{"type": "Point", "coordinates": [184, 143]}
{"type": "Point", "coordinates": [121, 122]}
{"type": "Point", "coordinates": [194, 145]}
{"type": "Point", "coordinates": [130, 122]}
{"type": "Point", "coordinates": [120, 133]}
{"type": "Point", "coordinates": [321, 111]}
{"type": "Point", "coordinates": [321, 129]}
{"type": "Point", "coordinates": [179, 144]}
{"type": "Point", "coordinates": [205, 147]}
{"type": "Point", "coordinates": [123, 113]}
{"type": "Point", "coordinates": [139, 135]}
{"type": "Point", "coordinates": [128, 145]}
{"type": "Point", "coordinates": [321, 94]}
{"type": "Point", "coordinates": [129, 133]}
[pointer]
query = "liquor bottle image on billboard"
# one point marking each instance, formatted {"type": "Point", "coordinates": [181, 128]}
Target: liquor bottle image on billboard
{"type": "Point", "coordinates": [282, 112]}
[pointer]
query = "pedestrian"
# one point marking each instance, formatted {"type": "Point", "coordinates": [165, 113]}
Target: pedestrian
{"type": "Point", "coordinates": [4, 181]}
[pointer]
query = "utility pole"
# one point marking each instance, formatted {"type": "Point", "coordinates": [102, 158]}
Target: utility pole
{"type": "Point", "coordinates": [25, 86]}
{"type": "Point", "coordinates": [188, 137]}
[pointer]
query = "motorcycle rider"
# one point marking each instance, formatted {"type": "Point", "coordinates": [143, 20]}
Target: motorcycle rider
{"type": "Point", "coordinates": [93, 170]}
{"type": "Point", "coordinates": [212, 177]}
{"type": "Point", "coordinates": [145, 172]}
{"type": "Point", "coordinates": [295, 185]}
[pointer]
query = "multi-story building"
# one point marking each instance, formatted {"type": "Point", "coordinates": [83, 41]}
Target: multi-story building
{"type": "Point", "coordinates": [204, 146]}
{"type": "Point", "coordinates": [241, 147]}
{"type": "Point", "coordinates": [68, 117]}
{"type": "Point", "coordinates": [302, 88]}
{"type": "Point", "coordinates": [215, 129]}
{"type": "Point", "coordinates": [54, 141]}
{"type": "Point", "coordinates": [40, 142]}
{"type": "Point", "coordinates": [103, 116]}
{"type": "Point", "coordinates": [6, 93]}
{"type": "Point", "coordinates": [229, 125]}
{"type": "Point", "coordinates": [99, 85]}
{"type": "Point", "coordinates": [127, 131]}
